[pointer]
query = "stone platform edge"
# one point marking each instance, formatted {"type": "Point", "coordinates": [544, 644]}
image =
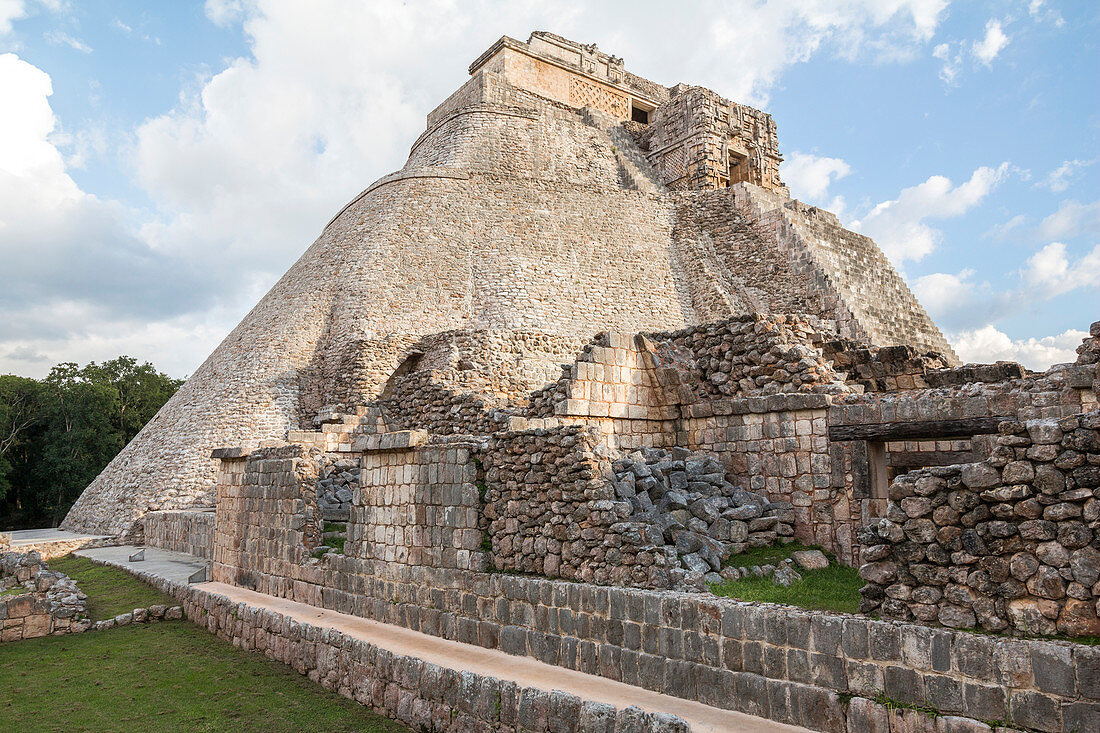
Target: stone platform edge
{"type": "Point", "coordinates": [419, 694]}
{"type": "Point", "coordinates": [786, 701]}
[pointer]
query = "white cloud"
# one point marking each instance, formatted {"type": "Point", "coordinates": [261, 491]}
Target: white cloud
{"type": "Point", "coordinates": [952, 62]}
{"type": "Point", "coordinates": [1059, 179]}
{"type": "Point", "coordinates": [69, 257]}
{"type": "Point", "coordinates": [992, 44]}
{"type": "Point", "coordinates": [987, 344]}
{"type": "Point", "coordinates": [1039, 11]}
{"type": "Point", "coordinates": [246, 170]}
{"type": "Point", "coordinates": [10, 11]}
{"type": "Point", "coordinates": [1072, 219]}
{"type": "Point", "coordinates": [61, 38]}
{"type": "Point", "coordinates": [809, 176]}
{"type": "Point", "coordinates": [940, 292]}
{"type": "Point", "coordinates": [1050, 271]}
{"type": "Point", "coordinates": [898, 226]}
{"type": "Point", "coordinates": [1000, 231]}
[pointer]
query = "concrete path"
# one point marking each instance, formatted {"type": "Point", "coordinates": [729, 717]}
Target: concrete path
{"type": "Point", "coordinates": [524, 671]}
{"type": "Point", "coordinates": [24, 537]}
{"type": "Point", "coordinates": [173, 566]}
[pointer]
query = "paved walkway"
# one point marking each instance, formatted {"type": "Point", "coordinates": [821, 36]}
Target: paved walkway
{"type": "Point", "coordinates": [24, 537]}
{"type": "Point", "coordinates": [173, 566]}
{"type": "Point", "coordinates": [524, 671]}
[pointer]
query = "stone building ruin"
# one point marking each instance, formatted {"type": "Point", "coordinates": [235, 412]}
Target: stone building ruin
{"type": "Point", "coordinates": [583, 333]}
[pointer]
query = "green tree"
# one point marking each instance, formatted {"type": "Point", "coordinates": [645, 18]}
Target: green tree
{"type": "Point", "coordinates": [73, 423]}
{"type": "Point", "coordinates": [19, 412]}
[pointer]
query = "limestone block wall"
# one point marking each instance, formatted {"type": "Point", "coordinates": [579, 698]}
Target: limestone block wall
{"type": "Point", "coordinates": [781, 448]}
{"type": "Point", "coordinates": [419, 694]}
{"type": "Point", "coordinates": [189, 531]}
{"type": "Point", "coordinates": [815, 669]}
{"type": "Point", "coordinates": [418, 505]}
{"type": "Point", "coordinates": [267, 519]}
{"type": "Point", "coordinates": [1012, 542]}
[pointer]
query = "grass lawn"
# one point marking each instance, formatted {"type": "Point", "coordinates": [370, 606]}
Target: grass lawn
{"type": "Point", "coordinates": [164, 676]}
{"type": "Point", "coordinates": [836, 588]}
{"type": "Point", "coordinates": [110, 591]}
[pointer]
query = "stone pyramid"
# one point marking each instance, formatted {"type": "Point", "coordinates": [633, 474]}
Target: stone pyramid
{"type": "Point", "coordinates": [553, 196]}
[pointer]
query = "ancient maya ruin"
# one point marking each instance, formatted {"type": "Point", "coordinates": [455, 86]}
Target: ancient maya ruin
{"type": "Point", "coordinates": [531, 391]}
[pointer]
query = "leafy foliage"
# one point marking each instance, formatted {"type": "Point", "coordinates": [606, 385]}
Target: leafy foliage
{"type": "Point", "coordinates": [58, 433]}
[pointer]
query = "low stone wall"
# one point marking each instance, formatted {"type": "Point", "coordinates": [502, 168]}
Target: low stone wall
{"type": "Point", "coordinates": [184, 530]}
{"type": "Point", "coordinates": [801, 667]}
{"type": "Point", "coordinates": [419, 694]}
{"type": "Point", "coordinates": [36, 601]}
{"type": "Point", "coordinates": [1010, 542]}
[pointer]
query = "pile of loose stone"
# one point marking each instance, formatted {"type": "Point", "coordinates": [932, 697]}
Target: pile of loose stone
{"type": "Point", "coordinates": [692, 507]}
{"type": "Point", "coordinates": [337, 479]}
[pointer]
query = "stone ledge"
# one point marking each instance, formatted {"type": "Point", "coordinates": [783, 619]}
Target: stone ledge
{"type": "Point", "coordinates": [230, 453]}
{"type": "Point", "coordinates": [397, 440]}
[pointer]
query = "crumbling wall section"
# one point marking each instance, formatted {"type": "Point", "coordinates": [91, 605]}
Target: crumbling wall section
{"type": "Point", "coordinates": [553, 511]}
{"type": "Point", "coordinates": [1012, 542]}
{"type": "Point", "coordinates": [36, 601]}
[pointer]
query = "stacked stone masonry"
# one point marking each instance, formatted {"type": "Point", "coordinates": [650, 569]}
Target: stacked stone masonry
{"type": "Point", "coordinates": [815, 669]}
{"type": "Point", "coordinates": [36, 601]}
{"type": "Point", "coordinates": [190, 532]}
{"type": "Point", "coordinates": [1012, 542]}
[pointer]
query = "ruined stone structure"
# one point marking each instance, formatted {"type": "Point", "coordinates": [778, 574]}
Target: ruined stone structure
{"type": "Point", "coordinates": [554, 196]}
{"type": "Point", "coordinates": [585, 334]}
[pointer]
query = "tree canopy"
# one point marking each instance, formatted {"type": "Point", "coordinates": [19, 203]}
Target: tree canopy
{"type": "Point", "coordinates": [58, 433]}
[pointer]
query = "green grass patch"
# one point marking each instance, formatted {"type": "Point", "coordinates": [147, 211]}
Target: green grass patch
{"type": "Point", "coordinates": [110, 591]}
{"type": "Point", "coordinates": [164, 676]}
{"type": "Point", "coordinates": [835, 588]}
{"type": "Point", "coordinates": [766, 555]}
{"type": "Point", "coordinates": [16, 590]}
{"type": "Point", "coordinates": [335, 527]}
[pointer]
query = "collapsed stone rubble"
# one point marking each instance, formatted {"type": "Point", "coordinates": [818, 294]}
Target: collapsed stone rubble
{"type": "Point", "coordinates": [700, 516]}
{"type": "Point", "coordinates": [36, 601]}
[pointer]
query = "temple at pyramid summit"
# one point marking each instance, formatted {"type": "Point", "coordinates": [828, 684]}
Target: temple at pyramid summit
{"type": "Point", "coordinates": [585, 333]}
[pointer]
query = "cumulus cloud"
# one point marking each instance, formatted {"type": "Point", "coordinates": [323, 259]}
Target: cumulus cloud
{"type": "Point", "coordinates": [899, 225]}
{"type": "Point", "coordinates": [991, 44]}
{"type": "Point", "coordinates": [809, 176]}
{"type": "Point", "coordinates": [1060, 178]}
{"type": "Point", "coordinates": [1051, 271]}
{"type": "Point", "coordinates": [988, 344]}
{"type": "Point", "coordinates": [1072, 219]}
{"type": "Point", "coordinates": [61, 245]}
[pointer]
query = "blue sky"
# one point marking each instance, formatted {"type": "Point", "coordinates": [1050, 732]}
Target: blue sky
{"type": "Point", "coordinates": [162, 164]}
